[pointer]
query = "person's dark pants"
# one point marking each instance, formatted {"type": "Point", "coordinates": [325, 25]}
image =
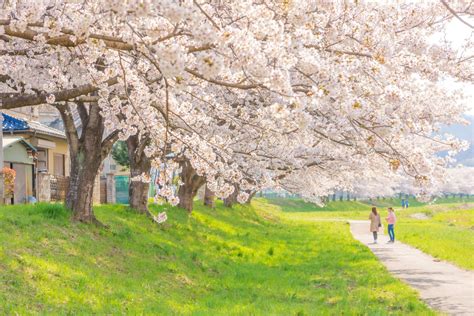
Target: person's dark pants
{"type": "Point", "coordinates": [391, 232]}
{"type": "Point", "coordinates": [375, 235]}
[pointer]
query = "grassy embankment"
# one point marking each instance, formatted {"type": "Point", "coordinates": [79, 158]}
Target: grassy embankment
{"type": "Point", "coordinates": [445, 229]}
{"type": "Point", "coordinates": [240, 261]}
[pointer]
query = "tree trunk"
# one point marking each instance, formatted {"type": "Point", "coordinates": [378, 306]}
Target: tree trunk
{"type": "Point", "coordinates": [191, 184]}
{"type": "Point", "coordinates": [138, 195]}
{"type": "Point", "coordinates": [81, 187]}
{"type": "Point", "coordinates": [87, 153]}
{"type": "Point", "coordinates": [232, 199]}
{"type": "Point", "coordinates": [251, 195]}
{"type": "Point", "coordinates": [209, 197]}
{"type": "Point", "coordinates": [139, 164]}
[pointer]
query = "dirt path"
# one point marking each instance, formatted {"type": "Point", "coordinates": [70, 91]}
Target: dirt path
{"type": "Point", "coordinates": [441, 285]}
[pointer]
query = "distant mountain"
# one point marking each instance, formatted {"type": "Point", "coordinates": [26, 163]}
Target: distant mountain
{"type": "Point", "coordinates": [465, 133]}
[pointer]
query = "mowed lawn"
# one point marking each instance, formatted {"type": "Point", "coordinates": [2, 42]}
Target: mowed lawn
{"type": "Point", "coordinates": [240, 261]}
{"type": "Point", "coordinates": [444, 229]}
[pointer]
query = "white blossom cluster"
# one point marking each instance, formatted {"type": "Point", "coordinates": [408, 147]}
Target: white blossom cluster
{"type": "Point", "coordinates": [313, 96]}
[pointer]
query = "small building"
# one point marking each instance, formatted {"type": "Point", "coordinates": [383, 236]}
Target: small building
{"type": "Point", "coordinates": [19, 156]}
{"type": "Point", "coordinates": [52, 152]}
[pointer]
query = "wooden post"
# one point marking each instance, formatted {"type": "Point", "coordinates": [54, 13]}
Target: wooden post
{"type": "Point", "coordinates": [96, 191]}
{"type": "Point", "coordinates": [43, 187]}
{"type": "Point", "coordinates": [111, 196]}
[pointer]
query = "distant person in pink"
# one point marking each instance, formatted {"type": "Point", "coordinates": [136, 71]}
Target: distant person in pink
{"type": "Point", "coordinates": [391, 219]}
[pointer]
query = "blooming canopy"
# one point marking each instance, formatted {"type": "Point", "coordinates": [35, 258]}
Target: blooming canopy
{"type": "Point", "coordinates": [309, 95]}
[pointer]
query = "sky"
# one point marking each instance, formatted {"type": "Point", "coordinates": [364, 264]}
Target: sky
{"type": "Point", "coordinates": [458, 32]}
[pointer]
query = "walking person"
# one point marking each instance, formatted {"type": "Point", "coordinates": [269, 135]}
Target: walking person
{"type": "Point", "coordinates": [375, 223]}
{"type": "Point", "coordinates": [391, 219]}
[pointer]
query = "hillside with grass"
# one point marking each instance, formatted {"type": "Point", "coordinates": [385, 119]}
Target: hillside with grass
{"type": "Point", "coordinates": [246, 260]}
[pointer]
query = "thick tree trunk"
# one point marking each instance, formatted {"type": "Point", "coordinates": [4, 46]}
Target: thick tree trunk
{"type": "Point", "coordinates": [87, 153]}
{"type": "Point", "coordinates": [209, 197]}
{"type": "Point", "coordinates": [231, 199]}
{"type": "Point", "coordinates": [138, 196]}
{"type": "Point", "coordinates": [186, 196]}
{"type": "Point", "coordinates": [191, 184]}
{"type": "Point", "coordinates": [139, 164]}
{"type": "Point", "coordinates": [81, 187]}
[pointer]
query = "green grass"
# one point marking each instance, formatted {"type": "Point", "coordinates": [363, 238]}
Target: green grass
{"type": "Point", "coordinates": [297, 209]}
{"type": "Point", "coordinates": [241, 261]}
{"type": "Point", "coordinates": [447, 233]}
{"type": "Point", "coordinates": [299, 205]}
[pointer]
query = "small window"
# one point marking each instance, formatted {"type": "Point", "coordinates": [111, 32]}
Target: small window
{"type": "Point", "coordinates": [59, 165]}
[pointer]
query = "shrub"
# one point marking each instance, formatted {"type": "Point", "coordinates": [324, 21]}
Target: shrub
{"type": "Point", "coordinates": [9, 176]}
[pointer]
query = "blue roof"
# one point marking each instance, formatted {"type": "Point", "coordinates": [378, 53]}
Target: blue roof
{"type": "Point", "coordinates": [11, 123]}
{"type": "Point", "coordinates": [14, 124]}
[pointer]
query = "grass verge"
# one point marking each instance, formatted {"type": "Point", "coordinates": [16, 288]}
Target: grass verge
{"type": "Point", "coordinates": [226, 261]}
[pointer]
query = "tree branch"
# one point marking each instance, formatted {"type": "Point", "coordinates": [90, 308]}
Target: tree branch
{"type": "Point", "coordinates": [11, 101]}
{"type": "Point", "coordinates": [82, 110]}
{"type": "Point", "coordinates": [223, 83]}
{"type": "Point", "coordinates": [108, 142]}
{"type": "Point", "coordinates": [455, 14]}
{"type": "Point", "coordinates": [70, 127]}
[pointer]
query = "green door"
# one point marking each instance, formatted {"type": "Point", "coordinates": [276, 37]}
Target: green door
{"type": "Point", "coordinates": [121, 189]}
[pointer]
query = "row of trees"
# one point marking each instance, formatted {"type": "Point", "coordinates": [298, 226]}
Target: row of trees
{"type": "Point", "coordinates": [310, 97]}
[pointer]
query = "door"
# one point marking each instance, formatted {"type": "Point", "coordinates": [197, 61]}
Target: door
{"type": "Point", "coordinates": [121, 189]}
{"type": "Point", "coordinates": [21, 183]}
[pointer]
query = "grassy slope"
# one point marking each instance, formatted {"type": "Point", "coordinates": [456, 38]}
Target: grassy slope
{"type": "Point", "coordinates": [227, 261]}
{"type": "Point", "coordinates": [447, 234]}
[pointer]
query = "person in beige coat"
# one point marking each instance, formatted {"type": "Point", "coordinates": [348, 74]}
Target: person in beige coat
{"type": "Point", "coordinates": [375, 223]}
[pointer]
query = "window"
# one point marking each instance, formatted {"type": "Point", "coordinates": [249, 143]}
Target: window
{"type": "Point", "coordinates": [59, 165]}
{"type": "Point", "coordinates": [42, 160]}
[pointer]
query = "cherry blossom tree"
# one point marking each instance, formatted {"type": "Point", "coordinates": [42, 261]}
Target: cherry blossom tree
{"type": "Point", "coordinates": [87, 151]}
{"type": "Point", "coordinates": [247, 93]}
{"type": "Point", "coordinates": [458, 181]}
